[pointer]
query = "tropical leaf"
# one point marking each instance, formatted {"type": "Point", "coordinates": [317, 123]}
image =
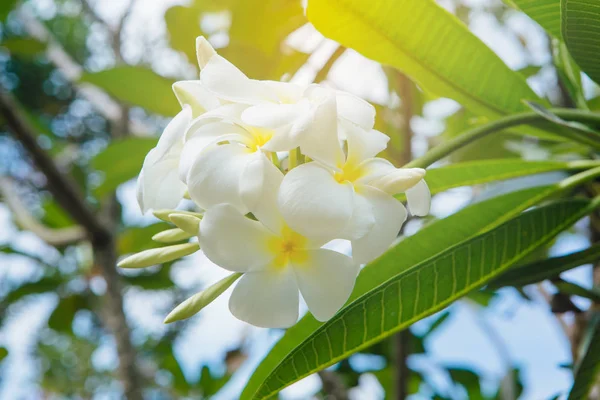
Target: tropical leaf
{"type": "Point", "coordinates": [26, 47]}
{"type": "Point", "coordinates": [137, 86]}
{"type": "Point", "coordinates": [419, 291]}
{"type": "Point", "coordinates": [428, 242]}
{"type": "Point", "coordinates": [574, 289]}
{"type": "Point", "coordinates": [121, 161]}
{"type": "Point", "coordinates": [544, 12]}
{"type": "Point", "coordinates": [478, 172]}
{"type": "Point", "coordinates": [545, 269]}
{"type": "Point", "coordinates": [569, 73]}
{"type": "Point", "coordinates": [431, 46]}
{"type": "Point", "coordinates": [588, 371]}
{"type": "Point", "coordinates": [580, 23]}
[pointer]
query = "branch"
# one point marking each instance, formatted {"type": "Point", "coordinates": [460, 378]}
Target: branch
{"type": "Point", "coordinates": [333, 385]}
{"type": "Point", "coordinates": [54, 237]}
{"type": "Point", "coordinates": [61, 187]}
{"type": "Point", "coordinates": [102, 102]}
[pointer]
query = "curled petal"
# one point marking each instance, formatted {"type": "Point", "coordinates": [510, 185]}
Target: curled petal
{"type": "Point", "coordinates": [193, 94]}
{"type": "Point", "coordinates": [273, 115]}
{"type": "Point", "coordinates": [419, 199]}
{"type": "Point", "coordinates": [268, 299]}
{"type": "Point", "coordinates": [326, 280]}
{"type": "Point", "coordinates": [381, 174]}
{"type": "Point", "coordinates": [389, 216]}
{"type": "Point", "coordinates": [259, 187]}
{"type": "Point", "coordinates": [158, 185]}
{"type": "Point", "coordinates": [314, 204]}
{"type": "Point", "coordinates": [232, 241]}
{"type": "Point", "coordinates": [363, 143]}
{"type": "Point", "coordinates": [204, 51]}
{"type": "Point", "coordinates": [362, 219]}
{"type": "Point", "coordinates": [229, 83]}
{"type": "Point", "coordinates": [214, 176]}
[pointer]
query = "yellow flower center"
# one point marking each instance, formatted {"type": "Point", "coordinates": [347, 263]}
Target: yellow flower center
{"type": "Point", "coordinates": [290, 247]}
{"type": "Point", "coordinates": [349, 172]}
{"type": "Point", "coordinates": [260, 137]}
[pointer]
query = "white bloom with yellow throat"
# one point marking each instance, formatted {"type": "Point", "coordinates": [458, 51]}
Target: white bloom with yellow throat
{"type": "Point", "coordinates": [277, 262]}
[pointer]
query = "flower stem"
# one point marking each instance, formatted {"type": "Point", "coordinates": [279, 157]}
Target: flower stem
{"type": "Point", "coordinates": [471, 135]}
{"type": "Point", "coordinates": [293, 159]}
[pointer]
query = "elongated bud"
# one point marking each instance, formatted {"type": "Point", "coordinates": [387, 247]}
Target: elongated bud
{"type": "Point", "coordinates": [204, 51]}
{"type": "Point", "coordinates": [200, 300]}
{"type": "Point", "coordinates": [159, 256]}
{"type": "Point", "coordinates": [164, 214]}
{"type": "Point", "coordinates": [188, 223]}
{"type": "Point", "coordinates": [172, 235]}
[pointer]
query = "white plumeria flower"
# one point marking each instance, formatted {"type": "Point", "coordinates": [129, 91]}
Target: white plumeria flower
{"type": "Point", "coordinates": [277, 262]}
{"type": "Point", "coordinates": [355, 199]}
{"type": "Point", "coordinates": [158, 184]}
{"type": "Point", "coordinates": [293, 110]}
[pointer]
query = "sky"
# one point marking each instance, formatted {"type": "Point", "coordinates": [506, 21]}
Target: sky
{"type": "Point", "coordinates": [530, 336]}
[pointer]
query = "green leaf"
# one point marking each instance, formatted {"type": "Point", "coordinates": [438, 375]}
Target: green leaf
{"type": "Point", "coordinates": [42, 285]}
{"type": "Point", "coordinates": [138, 238]}
{"type": "Point", "coordinates": [428, 242]}
{"type": "Point", "coordinates": [197, 302]}
{"type": "Point", "coordinates": [159, 280]}
{"type": "Point", "coordinates": [588, 371]}
{"type": "Point", "coordinates": [580, 23]}
{"type": "Point", "coordinates": [6, 6]}
{"type": "Point", "coordinates": [569, 73]}
{"type": "Point", "coordinates": [183, 26]}
{"type": "Point", "coordinates": [574, 289]}
{"type": "Point", "coordinates": [137, 86]}
{"type": "Point", "coordinates": [469, 380]}
{"type": "Point", "coordinates": [61, 318]}
{"type": "Point", "coordinates": [545, 269]}
{"type": "Point", "coordinates": [26, 47]}
{"type": "Point", "coordinates": [529, 71]}
{"type": "Point", "coordinates": [413, 36]}
{"type": "Point", "coordinates": [419, 291]}
{"type": "Point", "coordinates": [478, 172]}
{"type": "Point", "coordinates": [121, 161]}
{"type": "Point", "coordinates": [544, 12]}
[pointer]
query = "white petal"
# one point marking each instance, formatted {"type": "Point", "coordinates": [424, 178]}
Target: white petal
{"type": "Point", "coordinates": [171, 139]}
{"type": "Point", "coordinates": [204, 51]}
{"type": "Point", "coordinates": [317, 131]}
{"type": "Point", "coordinates": [419, 199]}
{"type": "Point", "coordinates": [273, 115]}
{"type": "Point", "coordinates": [389, 215]}
{"type": "Point", "coordinates": [355, 110]}
{"type": "Point", "coordinates": [229, 83]}
{"type": "Point", "coordinates": [313, 203]}
{"type": "Point", "coordinates": [268, 299]}
{"type": "Point", "coordinates": [362, 220]}
{"type": "Point", "coordinates": [286, 92]}
{"type": "Point", "coordinates": [233, 241]}
{"type": "Point", "coordinates": [381, 174]}
{"type": "Point", "coordinates": [192, 93]}
{"type": "Point", "coordinates": [158, 184]}
{"type": "Point", "coordinates": [362, 143]}
{"type": "Point", "coordinates": [215, 176]}
{"type": "Point", "coordinates": [259, 187]}
{"type": "Point", "coordinates": [326, 280]}
{"type": "Point", "coordinates": [194, 147]}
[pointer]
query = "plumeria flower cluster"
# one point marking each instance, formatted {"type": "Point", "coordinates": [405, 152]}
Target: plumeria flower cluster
{"type": "Point", "coordinates": [278, 170]}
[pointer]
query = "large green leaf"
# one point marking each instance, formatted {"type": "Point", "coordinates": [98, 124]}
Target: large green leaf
{"type": "Point", "coordinates": [477, 172]}
{"type": "Point", "coordinates": [428, 242]}
{"type": "Point", "coordinates": [137, 86]}
{"type": "Point", "coordinates": [580, 22]}
{"type": "Point", "coordinates": [544, 12]}
{"type": "Point", "coordinates": [588, 372]}
{"type": "Point", "coordinates": [5, 7]}
{"type": "Point", "coordinates": [26, 47]}
{"type": "Point", "coordinates": [428, 44]}
{"type": "Point", "coordinates": [545, 269]}
{"type": "Point", "coordinates": [419, 291]}
{"type": "Point", "coordinates": [121, 161]}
